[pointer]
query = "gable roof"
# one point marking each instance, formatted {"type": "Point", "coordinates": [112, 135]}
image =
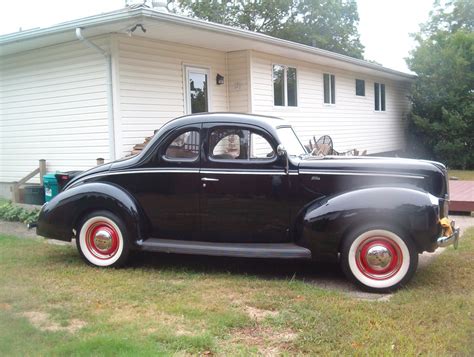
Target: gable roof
{"type": "Point", "coordinates": [195, 32]}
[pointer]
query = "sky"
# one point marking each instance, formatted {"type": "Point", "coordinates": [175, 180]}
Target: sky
{"type": "Point", "coordinates": [384, 25]}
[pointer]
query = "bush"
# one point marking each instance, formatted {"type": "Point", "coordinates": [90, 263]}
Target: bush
{"type": "Point", "coordinates": [441, 123]}
{"type": "Point", "coordinates": [10, 212]}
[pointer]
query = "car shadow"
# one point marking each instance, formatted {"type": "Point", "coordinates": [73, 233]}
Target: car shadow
{"type": "Point", "coordinates": [326, 275]}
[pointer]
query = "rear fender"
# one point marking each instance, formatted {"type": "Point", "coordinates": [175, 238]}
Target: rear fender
{"type": "Point", "coordinates": [59, 217]}
{"type": "Point", "coordinates": [322, 224]}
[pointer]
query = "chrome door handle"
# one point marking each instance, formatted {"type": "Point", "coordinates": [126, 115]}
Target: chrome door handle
{"type": "Point", "coordinates": [209, 179]}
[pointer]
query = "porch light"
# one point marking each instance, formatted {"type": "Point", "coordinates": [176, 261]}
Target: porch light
{"type": "Point", "coordinates": [219, 79]}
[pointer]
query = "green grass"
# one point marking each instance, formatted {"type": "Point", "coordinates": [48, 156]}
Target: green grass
{"type": "Point", "coordinates": [168, 305]}
{"type": "Point", "coordinates": [462, 174]}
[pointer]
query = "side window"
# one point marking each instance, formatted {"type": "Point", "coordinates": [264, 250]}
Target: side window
{"type": "Point", "coordinates": [238, 144]}
{"type": "Point", "coordinates": [260, 148]}
{"type": "Point", "coordinates": [379, 97]}
{"type": "Point", "coordinates": [329, 83]}
{"type": "Point", "coordinates": [360, 87]}
{"type": "Point", "coordinates": [184, 146]}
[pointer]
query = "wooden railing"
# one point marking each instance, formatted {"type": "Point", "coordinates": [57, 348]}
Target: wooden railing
{"type": "Point", "coordinates": [41, 170]}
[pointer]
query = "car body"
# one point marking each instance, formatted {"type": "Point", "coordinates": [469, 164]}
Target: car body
{"type": "Point", "coordinates": [243, 185]}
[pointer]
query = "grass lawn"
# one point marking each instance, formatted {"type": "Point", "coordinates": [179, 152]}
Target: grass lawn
{"type": "Point", "coordinates": [51, 303]}
{"type": "Point", "coordinates": [462, 174]}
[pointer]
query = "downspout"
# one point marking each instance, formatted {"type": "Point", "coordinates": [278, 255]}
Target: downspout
{"type": "Point", "coordinates": [110, 103]}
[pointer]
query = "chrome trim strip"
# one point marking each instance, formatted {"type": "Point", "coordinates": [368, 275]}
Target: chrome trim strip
{"type": "Point", "coordinates": [147, 171]}
{"type": "Point", "coordinates": [187, 171]}
{"type": "Point", "coordinates": [242, 172]}
{"type": "Point", "coordinates": [351, 173]}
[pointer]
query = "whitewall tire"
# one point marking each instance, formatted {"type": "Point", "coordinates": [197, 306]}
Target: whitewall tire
{"type": "Point", "coordinates": [102, 240]}
{"type": "Point", "coordinates": [379, 259]}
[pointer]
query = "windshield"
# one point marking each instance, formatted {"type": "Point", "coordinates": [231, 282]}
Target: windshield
{"type": "Point", "coordinates": [291, 142]}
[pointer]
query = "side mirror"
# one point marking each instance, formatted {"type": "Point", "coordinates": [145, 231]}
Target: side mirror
{"type": "Point", "coordinates": [281, 151]}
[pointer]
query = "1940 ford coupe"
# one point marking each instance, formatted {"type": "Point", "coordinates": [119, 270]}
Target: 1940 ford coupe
{"type": "Point", "coordinates": [244, 186]}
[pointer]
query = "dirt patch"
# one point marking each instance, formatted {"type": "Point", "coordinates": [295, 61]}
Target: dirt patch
{"type": "Point", "coordinates": [43, 321]}
{"type": "Point", "coordinates": [17, 229]}
{"type": "Point", "coordinates": [156, 320]}
{"type": "Point", "coordinates": [5, 307]}
{"type": "Point", "coordinates": [259, 314]}
{"type": "Point", "coordinates": [268, 341]}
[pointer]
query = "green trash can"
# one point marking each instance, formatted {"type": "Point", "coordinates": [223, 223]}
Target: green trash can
{"type": "Point", "coordinates": [51, 187]}
{"type": "Point", "coordinates": [33, 194]}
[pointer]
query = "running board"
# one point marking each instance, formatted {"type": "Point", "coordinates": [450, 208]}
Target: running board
{"type": "Point", "coordinates": [247, 250]}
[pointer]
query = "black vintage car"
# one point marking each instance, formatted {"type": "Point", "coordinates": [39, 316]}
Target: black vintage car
{"type": "Point", "coordinates": [244, 186]}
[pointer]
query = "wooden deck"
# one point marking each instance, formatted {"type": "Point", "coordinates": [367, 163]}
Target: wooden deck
{"type": "Point", "coordinates": [461, 196]}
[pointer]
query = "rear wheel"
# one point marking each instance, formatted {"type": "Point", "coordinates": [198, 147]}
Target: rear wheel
{"type": "Point", "coordinates": [379, 259]}
{"type": "Point", "coordinates": [102, 240]}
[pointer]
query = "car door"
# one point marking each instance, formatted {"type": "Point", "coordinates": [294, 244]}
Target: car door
{"type": "Point", "coordinates": [244, 186]}
{"type": "Point", "coordinates": [167, 185]}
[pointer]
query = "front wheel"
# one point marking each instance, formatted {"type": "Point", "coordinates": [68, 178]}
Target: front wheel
{"type": "Point", "coordinates": [379, 259]}
{"type": "Point", "coordinates": [102, 240]}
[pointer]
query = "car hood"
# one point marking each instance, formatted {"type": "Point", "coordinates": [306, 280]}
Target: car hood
{"type": "Point", "coordinates": [372, 164]}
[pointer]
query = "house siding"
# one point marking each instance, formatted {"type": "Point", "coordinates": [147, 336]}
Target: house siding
{"type": "Point", "coordinates": [151, 85]}
{"type": "Point", "coordinates": [351, 122]}
{"type": "Point", "coordinates": [238, 63]}
{"type": "Point", "coordinates": [53, 106]}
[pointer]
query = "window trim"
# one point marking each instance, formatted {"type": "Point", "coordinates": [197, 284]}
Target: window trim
{"type": "Point", "coordinates": [378, 99]}
{"type": "Point", "coordinates": [360, 95]}
{"type": "Point", "coordinates": [331, 90]}
{"type": "Point", "coordinates": [198, 69]}
{"type": "Point", "coordinates": [285, 86]}
{"type": "Point", "coordinates": [262, 133]}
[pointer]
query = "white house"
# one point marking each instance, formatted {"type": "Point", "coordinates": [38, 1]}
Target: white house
{"type": "Point", "coordinates": [97, 86]}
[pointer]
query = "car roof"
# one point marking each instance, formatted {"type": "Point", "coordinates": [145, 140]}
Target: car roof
{"type": "Point", "coordinates": [267, 122]}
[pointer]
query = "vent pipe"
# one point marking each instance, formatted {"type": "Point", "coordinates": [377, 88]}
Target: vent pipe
{"type": "Point", "coordinates": [109, 89]}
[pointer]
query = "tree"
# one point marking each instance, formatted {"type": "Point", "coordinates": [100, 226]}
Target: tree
{"type": "Point", "coordinates": [326, 24]}
{"type": "Point", "coordinates": [441, 123]}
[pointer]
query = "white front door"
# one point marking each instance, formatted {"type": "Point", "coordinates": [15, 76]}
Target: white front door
{"type": "Point", "coordinates": [197, 90]}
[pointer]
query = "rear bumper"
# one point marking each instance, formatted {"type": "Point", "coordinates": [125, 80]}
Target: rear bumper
{"type": "Point", "coordinates": [452, 239]}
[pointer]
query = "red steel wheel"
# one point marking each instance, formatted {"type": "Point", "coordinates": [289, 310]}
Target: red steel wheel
{"type": "Point", "coordinates": [101, 240]}
{"type": "Point", "coordinates": [379, 259]}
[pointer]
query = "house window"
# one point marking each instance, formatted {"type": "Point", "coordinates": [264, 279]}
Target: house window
{"type": "Point", "coordinates": [284, 86]}
{"type": "Point", "coordinates": [379, 96]}
{"type": "Point", "coordinates": [329, 88]}
{"type": "Point", "coordinates": [360, 87]}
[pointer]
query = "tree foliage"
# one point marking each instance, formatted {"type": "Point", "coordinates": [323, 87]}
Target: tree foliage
{"type": "Point", "coordinates": [326, 24]}
{"type": "Point", "coordinates": [441, 124]}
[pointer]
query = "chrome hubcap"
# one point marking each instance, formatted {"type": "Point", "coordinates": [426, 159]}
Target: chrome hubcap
{"type": "Point", "coordinates": [103, 240]}
{"type": "Point", "coordinates": [378, 257]}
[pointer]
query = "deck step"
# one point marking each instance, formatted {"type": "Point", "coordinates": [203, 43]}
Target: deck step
{"type": "Point", "coordinates": [247, 250]}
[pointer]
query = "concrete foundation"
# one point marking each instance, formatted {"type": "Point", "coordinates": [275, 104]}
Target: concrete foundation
{"type": "Point", "coordinates": [6, 190]}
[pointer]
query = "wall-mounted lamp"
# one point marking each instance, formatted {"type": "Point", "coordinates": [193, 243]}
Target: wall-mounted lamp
{"type": "Point", "coordinates": [219, 79]}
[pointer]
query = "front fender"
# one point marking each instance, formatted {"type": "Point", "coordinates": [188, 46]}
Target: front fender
{"type": "Point", "coordinates": [323, 223]}
{"type": "Point", "coordinates": [62, 214]}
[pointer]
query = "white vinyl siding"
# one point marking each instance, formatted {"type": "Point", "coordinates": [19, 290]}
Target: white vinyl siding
{"type": "Point", "coordinates": [238, 81]}
{"type": "Point", "coordinates": [151, 85]}
{"type": "Point", "coordinates": [352, 123]}
{"type": "Point", "coordinates": [53, 106]}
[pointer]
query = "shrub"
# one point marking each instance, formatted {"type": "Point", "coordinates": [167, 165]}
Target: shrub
{"type": "Point", "coordinates": [10, 212]}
